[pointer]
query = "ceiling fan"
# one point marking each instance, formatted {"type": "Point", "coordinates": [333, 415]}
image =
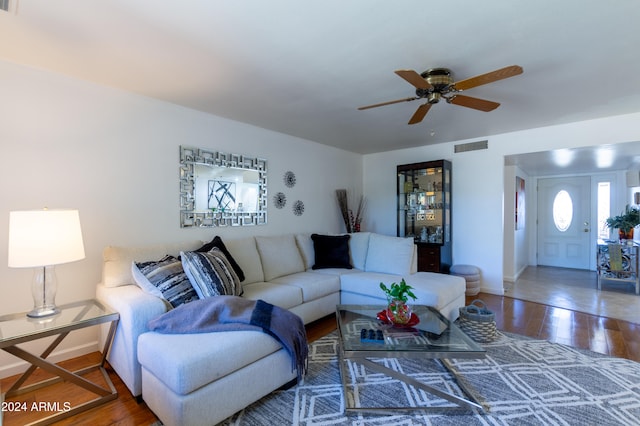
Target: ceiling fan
{"type": "Point", "coordinates": [437, 83]}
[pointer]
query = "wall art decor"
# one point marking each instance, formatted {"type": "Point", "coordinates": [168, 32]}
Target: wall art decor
{"type": "Point", "coordinates": [222, 195]}
{"type": "Point", "coordinates": [520, 204]}
{"type": "Point", "coordinates": [279, 200]}
{"type": "Point", "coordinates": [298, 208]}
{"type": "Point", "coordinates": [289, 179]}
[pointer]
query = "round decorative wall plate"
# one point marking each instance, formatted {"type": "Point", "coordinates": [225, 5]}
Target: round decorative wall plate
{"type": "Point", "coordinates": [279, 200]}
{"type": "Point", "coordinates": [289, 179]}
{"type": "Point", "coordinates": [298, 208]}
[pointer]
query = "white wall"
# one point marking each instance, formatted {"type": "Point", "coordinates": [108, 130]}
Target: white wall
{"type": "Point", "coordinates": [478, 184]}
{"type": "Point", "coordinates": [114, 156]}
{"type": "Point", "coordinates": [516, 241]}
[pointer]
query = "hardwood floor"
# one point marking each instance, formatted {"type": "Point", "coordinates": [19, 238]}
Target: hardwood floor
{"type": "Point", "coordinates": [123, 411]}
{"type": "Point", "coordinates": [600, 334]}
{"type": "Point", "coordinates": [609, 336]}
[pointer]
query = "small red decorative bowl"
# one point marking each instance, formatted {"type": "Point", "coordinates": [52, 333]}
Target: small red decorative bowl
{"type": "Point", "coordinates": [382, 316]}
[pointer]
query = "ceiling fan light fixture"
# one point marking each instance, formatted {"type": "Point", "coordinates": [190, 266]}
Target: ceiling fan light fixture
{"type": "Point", "coordinates": [434, 97]}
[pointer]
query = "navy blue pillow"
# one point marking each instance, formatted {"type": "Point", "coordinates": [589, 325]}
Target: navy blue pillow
{"type": "Point", "coordinates": [331, 251]}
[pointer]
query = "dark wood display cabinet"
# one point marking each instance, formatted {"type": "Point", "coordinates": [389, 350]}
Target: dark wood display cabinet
{"type": "Point", "coordinates": [424, 211]}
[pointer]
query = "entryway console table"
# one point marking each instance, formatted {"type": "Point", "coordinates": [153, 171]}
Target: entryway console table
{"type": "Point", "coordinates": [618, 262]}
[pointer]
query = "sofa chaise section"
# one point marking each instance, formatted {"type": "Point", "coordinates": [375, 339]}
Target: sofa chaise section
{"type": "Point", "coordinates": [210, 378]}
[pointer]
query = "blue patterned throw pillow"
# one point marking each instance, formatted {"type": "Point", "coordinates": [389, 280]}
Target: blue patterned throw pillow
{"type": "Point", "coordinates": [210, 273]}
{"type": "Point", "coordinates": [217, 242]}
{"type": "Point", "coordinates": [166, 279]}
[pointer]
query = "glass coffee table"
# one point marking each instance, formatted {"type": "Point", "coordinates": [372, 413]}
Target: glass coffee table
{"type": "Point", "coordinates": [432, 338]}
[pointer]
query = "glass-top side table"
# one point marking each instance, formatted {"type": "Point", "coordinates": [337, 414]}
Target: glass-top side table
{"type": "Point", "coordinates": [18, 328]}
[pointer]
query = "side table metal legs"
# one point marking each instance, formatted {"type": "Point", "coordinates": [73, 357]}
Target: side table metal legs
{"type": "Point", "coordinates": [104, 394]}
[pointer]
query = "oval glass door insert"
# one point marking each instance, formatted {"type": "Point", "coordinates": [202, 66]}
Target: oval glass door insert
{"type": "Point", "coordinates": [562, 210]}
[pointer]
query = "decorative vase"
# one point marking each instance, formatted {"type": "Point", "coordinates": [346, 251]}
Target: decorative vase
{"type": "Point", "coordinates": [625, 235]}
{"type": "Point", "coordinates": [398, 312]}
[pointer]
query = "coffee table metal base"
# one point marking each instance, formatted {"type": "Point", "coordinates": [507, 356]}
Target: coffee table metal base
{"type": "Point", "coordinates": [462, 404]}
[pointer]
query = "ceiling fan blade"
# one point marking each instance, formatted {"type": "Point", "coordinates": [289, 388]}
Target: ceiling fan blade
{"type": "Point", "coordinates": [387, 103]}
{"type": "Point", "coordinates": [475, 103]}
{"type": "Point", "coordinates": [489, 77]}
{"type": "Point", "coordinates": [420, 113]}
{"type": "Point", "coordinates": [414, 79]}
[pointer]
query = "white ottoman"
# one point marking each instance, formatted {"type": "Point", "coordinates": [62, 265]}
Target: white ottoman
{"type": "Point", "coordinates": [471, 275]}
{"type": "Point", "coordinates": [201, 379]}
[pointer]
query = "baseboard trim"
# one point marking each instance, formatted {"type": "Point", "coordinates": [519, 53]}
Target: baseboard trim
{"type": "Point", "coordinates": [20, 366]}
{"type": "Point", "coordinates": [491, 290]}
{"type": "Point", "coordinates": [513, 279]}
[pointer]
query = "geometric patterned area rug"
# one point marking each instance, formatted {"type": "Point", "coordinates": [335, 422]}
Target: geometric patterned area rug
{"type": "Point", "coordinates": [521, 381]}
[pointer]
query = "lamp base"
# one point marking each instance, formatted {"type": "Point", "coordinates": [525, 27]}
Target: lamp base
{"type": "Point", "coordinates": [43, 311]}
{"type": "Point", "coordinates": [43, 289]}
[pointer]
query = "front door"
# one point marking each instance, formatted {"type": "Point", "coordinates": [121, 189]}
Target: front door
{"type": "Point", "coordinates": [564, 222]}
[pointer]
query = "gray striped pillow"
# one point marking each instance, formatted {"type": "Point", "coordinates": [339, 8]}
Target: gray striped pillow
{"type": "Point", "coordinates": [210, 273]}
{"type": "Point", "coordinates": [166, 279]}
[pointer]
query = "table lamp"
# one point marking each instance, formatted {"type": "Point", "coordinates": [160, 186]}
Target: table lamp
{"type": "Point", "coordinates": [42, 239]}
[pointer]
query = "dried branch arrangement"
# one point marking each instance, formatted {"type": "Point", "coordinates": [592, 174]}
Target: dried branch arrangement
{"type": "Point", "coordinates": [351, 222]}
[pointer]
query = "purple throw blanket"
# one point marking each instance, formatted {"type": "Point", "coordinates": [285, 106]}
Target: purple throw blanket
{"type": "Point", "coordinates": [232, 313]}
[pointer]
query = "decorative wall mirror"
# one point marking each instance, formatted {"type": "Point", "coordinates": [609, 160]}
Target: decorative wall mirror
{"type": "Point", "coordinates": [221, 189]}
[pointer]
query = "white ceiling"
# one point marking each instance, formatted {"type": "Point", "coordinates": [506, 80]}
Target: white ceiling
{"type": "Point", "coordinates": [302, 68]}
{"type": "Point", "coordinates": [603, 158]}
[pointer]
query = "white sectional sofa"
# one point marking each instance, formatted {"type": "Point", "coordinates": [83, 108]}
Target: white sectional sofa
{"type": "Point", "coordinates": [198, 379]}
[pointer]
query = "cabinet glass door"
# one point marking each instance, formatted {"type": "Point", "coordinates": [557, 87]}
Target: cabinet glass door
{"type": "Point", "coordinates": [423, 204]}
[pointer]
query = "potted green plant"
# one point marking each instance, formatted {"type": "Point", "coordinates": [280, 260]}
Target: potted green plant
{"type": "Point", "coordinates": [625, 222]}
{"type": "Point", "coordinates": [398, 311]}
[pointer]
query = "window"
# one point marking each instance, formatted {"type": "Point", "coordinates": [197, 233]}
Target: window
{"type": "Point", "coordinates": [562, 210]}
{"type": "Point", "coordinates": [604, 208]}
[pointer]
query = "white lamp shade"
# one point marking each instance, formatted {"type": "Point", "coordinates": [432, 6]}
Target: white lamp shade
{"type": "Point", "coordinates": [44, 237]}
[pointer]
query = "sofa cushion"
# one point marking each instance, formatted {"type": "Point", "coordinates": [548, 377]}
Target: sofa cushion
{"type": "Point", "coordinates": [211, 273]}
{"type": "Point", "coordinates": [217, 242]}
{"type": "Point", "coordinates": [245, 252]}
{"type": "Point", "coordinates": [437, 290]}
{"type": "Point", "coordinates": [186, 362]}
{"type": "Point", "coordinates": [284, 296]}
{"type": "Point", "coordinates": [358, 247]}
{"type": "Point", "coordinates": [305, 245]}
{"type": "Point", "coordinates": [312, 284]}
{"type": "Point", "coordinates": [331, 251]}
{"type": "Point", "coordinates": [279, 255]}
{"type": "Point", "coordinates": [430, 288]}
{"type": "Point", "coordinates": [391, 255]}
{"type": "Point", "coordinates": [367, 283]}
{"type": "Point", "coordinates": [165, 279]}
{"type": "Point", "coordinates": [116, 270]}
{"type": "Point", "coordinates": [336, 271]}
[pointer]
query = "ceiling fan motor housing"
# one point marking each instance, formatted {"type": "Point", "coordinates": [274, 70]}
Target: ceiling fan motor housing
{"type": "Point", "coordinates": [440, 80]}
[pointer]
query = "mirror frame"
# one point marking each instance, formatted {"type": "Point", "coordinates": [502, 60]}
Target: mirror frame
{"type": "Point", "coordinates": [189, 217]}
